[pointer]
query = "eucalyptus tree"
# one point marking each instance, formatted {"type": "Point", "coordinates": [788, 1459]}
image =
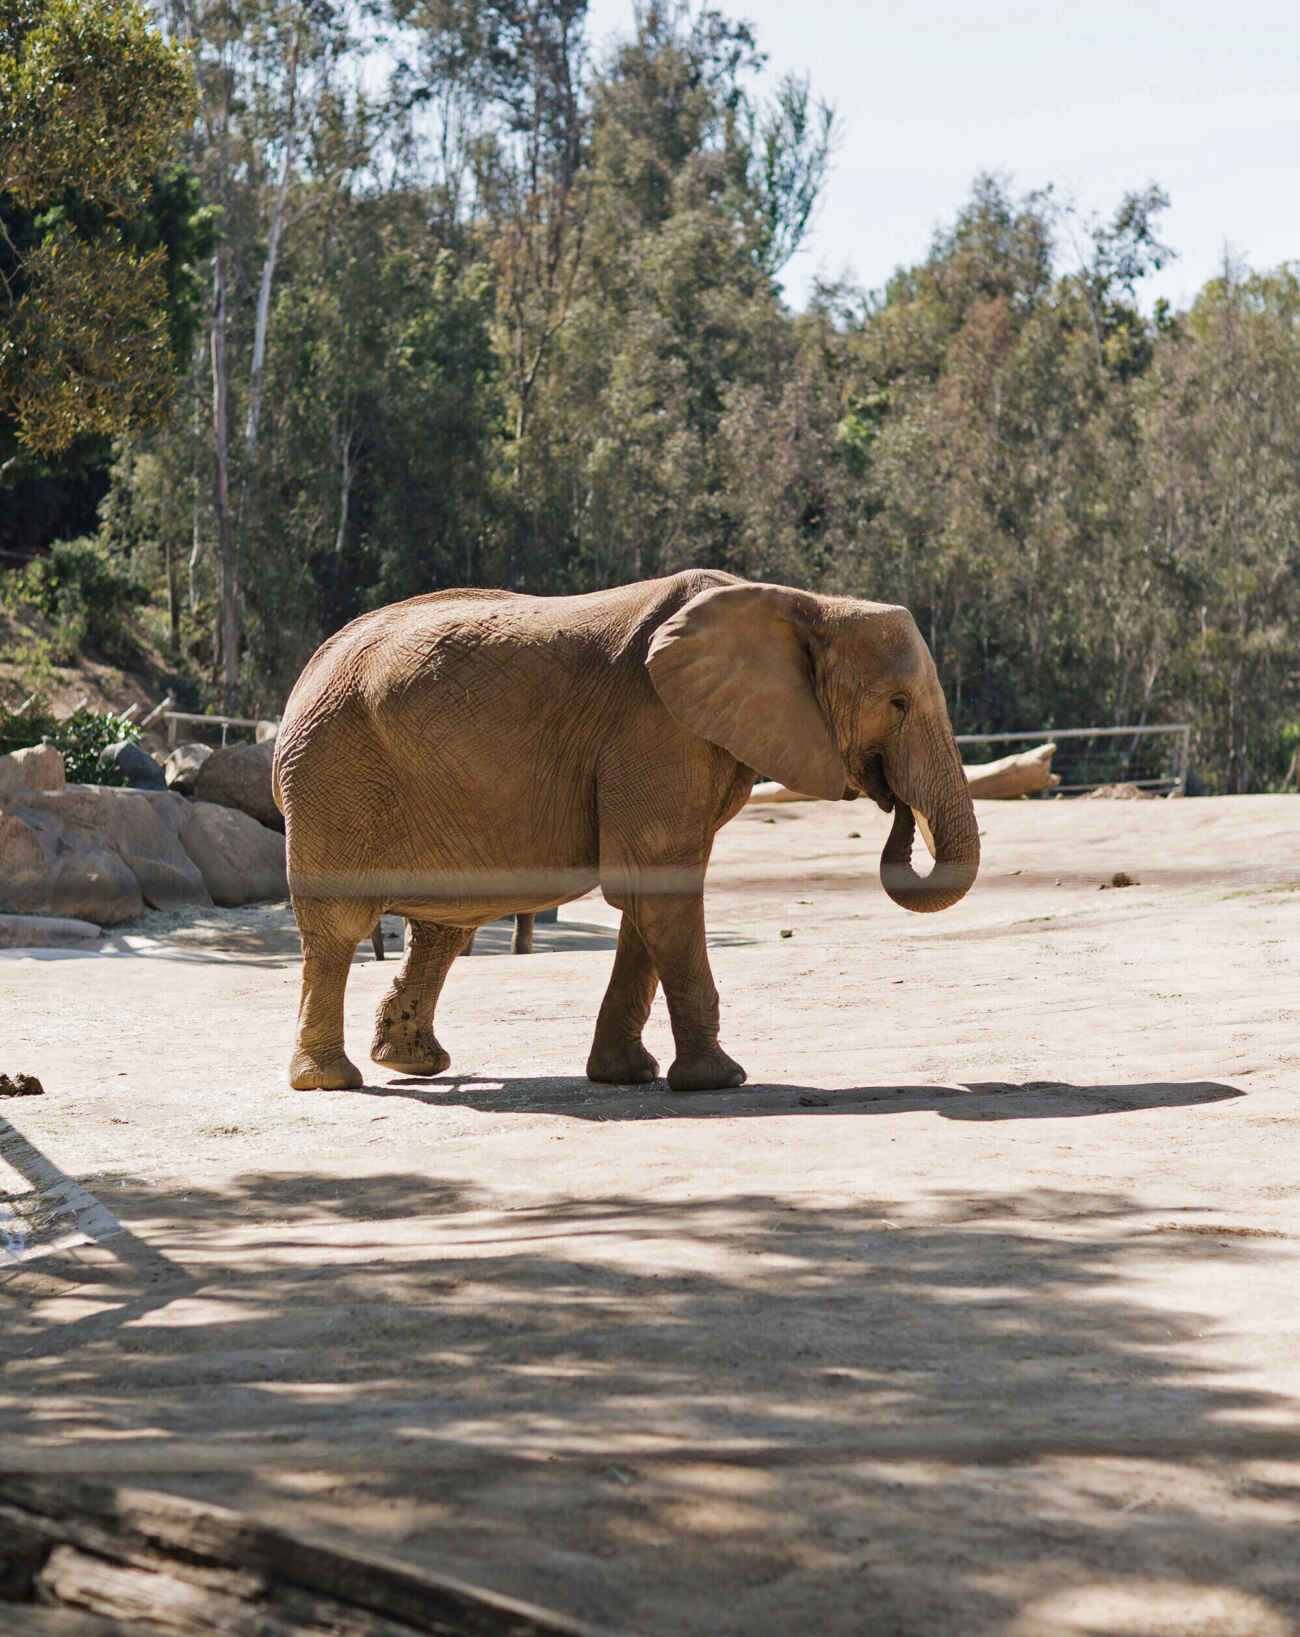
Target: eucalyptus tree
{"type": "Point", "coordinates": [699, 191]}
{"type": "Point", "coordinates": [383, 416]}
{"type": "Point", "coordinates": [1220, 465]}
{"type": "Point", "coordinates": [992, 428]}
{"type": "Point", "coordinates": [273, 100]}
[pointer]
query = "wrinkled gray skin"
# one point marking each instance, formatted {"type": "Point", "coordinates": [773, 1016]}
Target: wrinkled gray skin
{"type": "Point", "coordinates": [470, 754]}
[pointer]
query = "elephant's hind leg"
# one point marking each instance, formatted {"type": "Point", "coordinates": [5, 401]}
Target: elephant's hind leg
{"type": "Point", "coordinates": [522, 942]}
{"type": "Point", "coordinates": [404, 1039]}
{"type": "Point", "coordinates": [330, 933]}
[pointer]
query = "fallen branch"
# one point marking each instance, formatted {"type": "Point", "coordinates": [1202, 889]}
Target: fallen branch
{"type": "Point", "coordinates": [1011, 776]}
{"type": "Point", "coordinates": [1018, 775]}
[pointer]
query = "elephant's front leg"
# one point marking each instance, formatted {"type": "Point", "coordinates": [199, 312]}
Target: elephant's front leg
{"type": "Point", "coordinates": [404, 1039]}
{"type": "Point", "coordinates": [617, 1055]}
{"type": "Point", "coordinates": [671, 926]}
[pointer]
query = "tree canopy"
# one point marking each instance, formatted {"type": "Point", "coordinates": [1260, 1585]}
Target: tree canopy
{"type": "Point", "coordinates": [92, 316]}
{"type": "Point", "coordinates": [488, 307]}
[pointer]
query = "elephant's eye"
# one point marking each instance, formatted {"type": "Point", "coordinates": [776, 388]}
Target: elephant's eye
{"type": "Point", "coordinates": [899, 702]}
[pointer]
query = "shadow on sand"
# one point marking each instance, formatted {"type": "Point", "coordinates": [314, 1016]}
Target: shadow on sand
{"type": "Point", "coordinates": [974, 1100]}
{"type": "Point", "coordinates": [711, 1415]}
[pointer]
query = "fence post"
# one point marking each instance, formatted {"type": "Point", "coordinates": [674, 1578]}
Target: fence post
{"type": "Point", "coordinates": [163, 704]}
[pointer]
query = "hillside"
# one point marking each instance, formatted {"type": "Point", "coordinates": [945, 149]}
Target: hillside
{"type": "Point", "coordinates": [27, 667]}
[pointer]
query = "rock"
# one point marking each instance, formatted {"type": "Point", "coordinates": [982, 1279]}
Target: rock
{"type": "Point", "coordinates": [239, 776]}
{"type": "Point", "coordinates": [242, 861]}
{"type": "Point", "coordinates": [46, 932]}
{"type": "Point", "coordinates": [43, 872]}
{"type": "Point", "coordinates": [136, 766]}
{"type": "Point", "coordinates": [265, 731]}
{"type": "Point", "coordinates": [37, 767]}
{"type": "Point", "coordinates": [20, 1085]}
{"type": "Point", "coordinates": [181, 769]}
{"type": "Point", "coordinates": [95, 853]}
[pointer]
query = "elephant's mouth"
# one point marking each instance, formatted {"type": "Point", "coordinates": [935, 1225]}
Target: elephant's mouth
{"type": "Point", "coordinates": [867, 774]}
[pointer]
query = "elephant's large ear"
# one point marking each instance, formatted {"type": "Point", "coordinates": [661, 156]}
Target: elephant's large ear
{"type": "Point", "coordinates": [734, 665]}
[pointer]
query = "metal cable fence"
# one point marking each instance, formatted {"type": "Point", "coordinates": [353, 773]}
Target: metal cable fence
{"type": "Point", "coordinates": [1152, 758]}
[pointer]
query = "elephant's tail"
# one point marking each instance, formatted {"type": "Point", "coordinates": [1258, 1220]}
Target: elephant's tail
{"type": "Point", "coordinates": [275, 778]}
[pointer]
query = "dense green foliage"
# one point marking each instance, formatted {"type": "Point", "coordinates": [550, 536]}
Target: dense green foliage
{"type": "Point", "coordinates": [79, 739]}
{"type": "Point", "coordinates": [88, 594]}
{"type": "Point", "coordinates": [90, 100]}
{"type": "Point", "coordinates": [100, 232]}
{"type": "Point", "coordinates": [517, 319]}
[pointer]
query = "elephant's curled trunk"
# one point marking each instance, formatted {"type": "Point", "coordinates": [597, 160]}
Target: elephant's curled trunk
{"type": "Point", "coordinates": [956, 860]}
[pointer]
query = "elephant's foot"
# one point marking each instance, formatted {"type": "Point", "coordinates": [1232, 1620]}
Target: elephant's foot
{"type": "Point", "coordinates": [409, 1051]}
{"type": "Point", "coordinates": [622, 1063]}
{"type": "Point", "coordinates": [706, 1071]}
{"type": "Point", "coordinates": [323, 1071]}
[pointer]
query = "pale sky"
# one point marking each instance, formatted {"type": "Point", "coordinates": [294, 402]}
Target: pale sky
{"type": "Point", "coordinates": [1200, 96]}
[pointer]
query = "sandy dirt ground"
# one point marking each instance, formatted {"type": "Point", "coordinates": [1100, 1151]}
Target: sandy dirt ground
{"type": "Point", "coordinates": [977, 1311]}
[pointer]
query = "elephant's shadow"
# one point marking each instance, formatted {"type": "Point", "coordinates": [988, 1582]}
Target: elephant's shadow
{"type": "Point", "coordinates": [575, 1098]}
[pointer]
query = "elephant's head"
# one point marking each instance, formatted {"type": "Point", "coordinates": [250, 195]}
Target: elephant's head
{"type": "Point", "coordinates": [835, 698]}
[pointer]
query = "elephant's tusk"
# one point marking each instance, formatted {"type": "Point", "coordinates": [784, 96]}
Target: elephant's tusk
{"type": "Point", "coordinates": [927, 835]}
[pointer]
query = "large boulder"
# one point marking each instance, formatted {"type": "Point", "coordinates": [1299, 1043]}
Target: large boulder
{"type": "Point", "coordinates": [95, 853]}
{"type": "Point", "coordinates": [44, 871]}
{"type": "Point", "coordinates": [37, 767]}
{"type": "Point", "coordinates": [239, 776]}
{"type": "Point", "coordinates": [181, 769]}
{"type": "Point", "coordinates": [136, 766]}
{"type": "Point", "coordinates": [242, 861]}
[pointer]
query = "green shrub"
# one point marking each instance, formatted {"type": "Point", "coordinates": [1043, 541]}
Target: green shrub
{"type": "Point", "coordinates": [88, 594]}
{"type": "Point", "coordinates": [81, 738]}
{"type": "Point", "coordinates": [23, 728]}
{"type": "Point", "coordinates": [78, 740]}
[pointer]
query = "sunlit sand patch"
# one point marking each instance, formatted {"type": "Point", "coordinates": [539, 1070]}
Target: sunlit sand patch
{"type": "Point", "coordinates": [41, 1210]}
{"type": "Point", "coordinates": [1150, 1608]}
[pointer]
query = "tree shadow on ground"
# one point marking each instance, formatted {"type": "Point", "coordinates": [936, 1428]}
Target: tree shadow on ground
{"type": "Point", "coordinates": [974, 1100]}
{"type": "Point", "coordinates": [706, 1416]}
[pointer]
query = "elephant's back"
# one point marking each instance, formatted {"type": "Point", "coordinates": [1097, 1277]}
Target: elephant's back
{"type": "Point", "coordinates": [446, 692]}
{"type": "Point", "coordinates": [472, 683]}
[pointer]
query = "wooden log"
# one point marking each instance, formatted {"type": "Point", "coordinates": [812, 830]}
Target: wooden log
{"type": "Point", "coordinates": [768, 790]}
{"type": "Point", "coordinates": [1011, 776]}
{"type": "Point", "coordinates": [183, 1567]}
{"type": "Point", "coordinates": [75, 1579]}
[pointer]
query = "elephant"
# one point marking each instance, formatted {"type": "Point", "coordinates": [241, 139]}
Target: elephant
{"type": "Point", "coordinates": [471, 753]}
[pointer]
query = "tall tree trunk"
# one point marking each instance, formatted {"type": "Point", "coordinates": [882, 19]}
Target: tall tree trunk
{"type": "Point", "coordinates": [196, 526]}
{"type": "Point", "coordinates": [257, 368]}
{"type": "Point", "coordinates": [345, 492]}
{"type": "Point", "coordinates": [228, 616]}
{"type": "Point", "coordinates": [173, 608]}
